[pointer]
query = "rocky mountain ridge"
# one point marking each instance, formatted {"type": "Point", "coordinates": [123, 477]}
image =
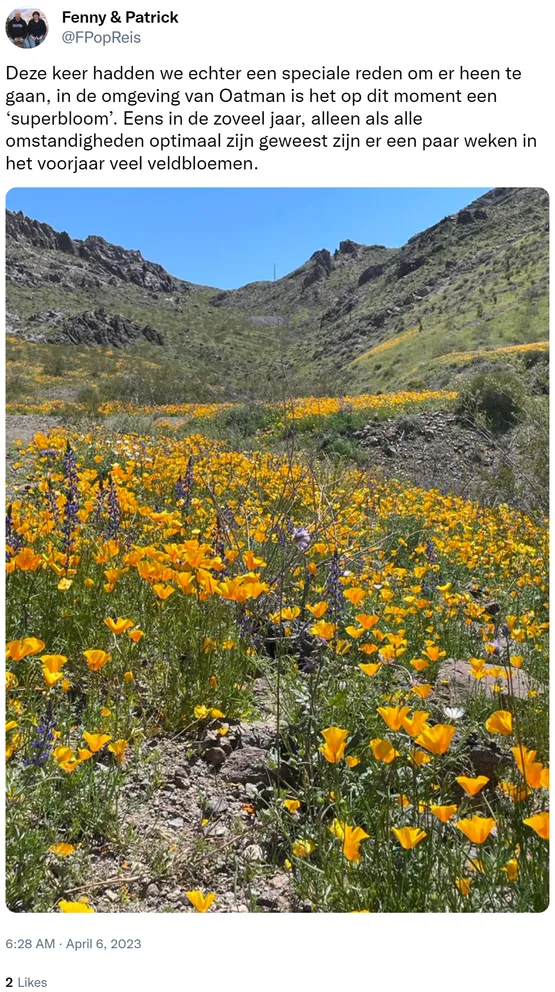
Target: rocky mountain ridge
{"type": "Point", "coordinates": [347, 318]}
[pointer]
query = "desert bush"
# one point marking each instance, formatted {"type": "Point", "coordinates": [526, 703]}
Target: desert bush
{"type": "Point", "coordinates": [496, 399]}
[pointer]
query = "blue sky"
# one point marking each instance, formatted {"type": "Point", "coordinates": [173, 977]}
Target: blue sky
{"type": "Point", "coordinates": [228, 237]}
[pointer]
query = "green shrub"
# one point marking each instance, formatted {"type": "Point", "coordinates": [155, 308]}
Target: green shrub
{"type": "Point", "coordinates": [248, 418]}
{"type": "Point", "coordinates": [494, 398]}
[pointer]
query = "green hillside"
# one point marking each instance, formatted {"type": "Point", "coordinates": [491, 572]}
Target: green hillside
{"type": "Point", "coordinates": [361, 319]}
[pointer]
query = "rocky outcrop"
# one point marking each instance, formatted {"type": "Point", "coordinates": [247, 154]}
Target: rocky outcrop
{"type": "Point", "coordinates": [372, 272]}
{"type": "Point", "coordinates": [79, 264]}
{"type": "Point", "coordinates": [348, 248]}
{"type": "Point", "coordinates": [88, 328]}
{"type": "Point", "coordinates": [321, 269]}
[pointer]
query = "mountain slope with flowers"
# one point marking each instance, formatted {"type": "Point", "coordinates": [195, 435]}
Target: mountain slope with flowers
{"type": "Point", "coordinates": [362, 318]}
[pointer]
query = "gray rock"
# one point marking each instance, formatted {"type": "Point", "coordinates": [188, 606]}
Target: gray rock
{"type": "Point", "coordinates": [215, 756]}
{"type": "Point", "coordinates": [258, 734]}
{"type": "Point", "coordinates": [456, 682]}
{"type": "Point", "coordinates": [176, 823]}
{"type": "Point", "coordinates": [216, 806]}
{"type": "Point", "coordinates": [247, 764]}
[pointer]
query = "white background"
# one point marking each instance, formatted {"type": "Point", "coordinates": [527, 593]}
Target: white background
{"type": "Point", "coordinates": [227, 951]}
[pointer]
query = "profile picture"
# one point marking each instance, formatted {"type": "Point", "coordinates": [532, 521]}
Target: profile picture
{"type": "Point", "coordinates": [27, 28]}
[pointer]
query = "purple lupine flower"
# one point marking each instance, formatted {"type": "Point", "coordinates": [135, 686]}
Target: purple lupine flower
{"type": "Point", "coordinates": [114, 510]}
{"type": "Point", "coordinates": [184, 487]}
{"type": "Point", "coordinates": [71, 508]}
{"type": "Point", "coordinates": [99, 503]}
{"type": "Point", "coordinates": [51, 497]}
{"type": "Point", "coordinates": [42, 742]}
{"type": "Point", "coordinates": [70, 465]}
{"type": "Point", "coordinates": [301, 537]}
{"type": "Point", "coordinates": [13, 539]}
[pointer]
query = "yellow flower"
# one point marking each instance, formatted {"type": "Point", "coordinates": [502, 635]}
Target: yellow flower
{"type": "Point", "coordinates": [369, 649]}
{"type": "Point", "coordinates": [200, 902]}
{"type": "Point", "coordinates": [415, 724]}
{"type": "Point", "coordinates": [120, 625]}
{"type": "Point", "coordinates": [422, 691]}
{"type": "Point", "coordinates": [135, 635]}
{"type": "Point", "coordinates": [472, 786]}
{"type": "Point", "coordinates": [500, 722]}
{"type": "Point", "coordinates": [409, 837]}
{"type": "Point", "coordinates": [286, 613]}
{"type": "Point", "coordinates": [292, 805]}
{"type": "Point", "coordinates": [303, 848]}
{"type": "Point", "coordinates": [119, 748]}
{"type": "Point", "coordinates": [96, 741]}
{"type": "Point", "coordinates": [434, 653]}
{"type": "Point", "coordinates": [355, 595]}
{"type": "Point", "coordinates": [323, 629]}
{"type": "Point", "coordinates": [394, 715]}
{"type": "Point", "coordinates": [96, 659]}
{"type": "Point", "coordinates": [17, 650]}
{"type": "Point", "coordinates": [515, 792]}
{"type": "Point", "coordinates": [62, 850]}
{"type": "Point", "coordinates": [420, 664]}
{"type": "Point", "coordinates": [443, 813]}
{"type": "Point", "coordinates": [463, 885]}
{"type": "Point", "coordinates": [201, 712]}
{"type": "Point", "coordinates": [512, 870]}
{"type": "Point", "coordinates": [74, 907]}
{"type": "Point", "coordinates": [62, 753]}
{"type": "Point", "coordinates": [352, 838]}
{"type": "Point", "coordinates": [163, 591]}
{"type": "Point", "coordinates": [528, 766]}
{"type": "Point", "coordinates": [539, 823]}
{"type": "Point", "coordinates": [367, 621]}
{"type": "Point", "coordinates": [11, 681]}
{"type": "Point", "coordinates": [65, 584]}
{"type": "Point", "coordinates": [383, 750]}
{"type": "Point", "coordinates": [476, 828]}
{"type": "Point", "coordinates": [336, 742]}
{"type": "Point", "coordinates": [318, 609]}
{"type": "Point", "coordinates": [27, 560]}
{"type": "Point", "coordinates": [128, 676]}
{"type": "Point", "coordinates": [337, 829]}
{"type": "Point", "coordinates": [351, 761]}
{"type": "Point", "coordinates": [371, 668]}
{"type": "Point", "coordinates": [436, 739]}
{"type": "Point", "coordinates": [53, 662]}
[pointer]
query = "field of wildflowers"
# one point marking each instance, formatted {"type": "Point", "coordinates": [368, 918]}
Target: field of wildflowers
{"type": "Point", "coordinates": [401, 633]}
{"type": "Point", "coordinates": [296, 409]}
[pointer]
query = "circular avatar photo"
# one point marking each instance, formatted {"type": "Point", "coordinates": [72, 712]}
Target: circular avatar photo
{"type": "Point", "coordinates": [26, 27]}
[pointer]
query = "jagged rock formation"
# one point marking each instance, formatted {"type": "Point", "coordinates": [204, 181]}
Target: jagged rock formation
{"type": "Point", "coordinates": [360, 318]}
{"type": "Point", "coordinates": [89, 263]}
